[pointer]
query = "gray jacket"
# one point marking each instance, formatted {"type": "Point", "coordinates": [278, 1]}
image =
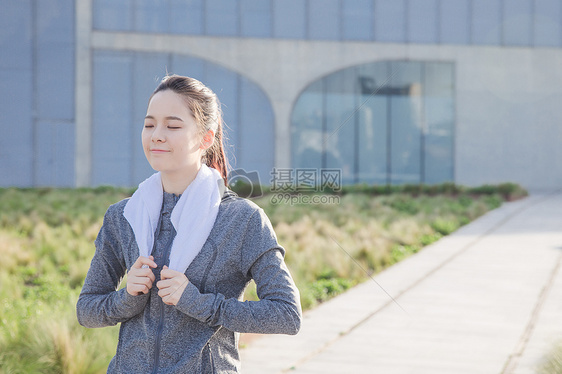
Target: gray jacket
{"type": "Point", "coordinates": [200, 333]}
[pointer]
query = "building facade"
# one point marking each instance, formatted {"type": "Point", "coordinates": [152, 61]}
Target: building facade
{"type": "Point", "coordinates": [387, 91]}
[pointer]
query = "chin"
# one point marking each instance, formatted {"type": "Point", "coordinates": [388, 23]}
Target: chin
{"type": "Point", "coordinates": [157, 166]}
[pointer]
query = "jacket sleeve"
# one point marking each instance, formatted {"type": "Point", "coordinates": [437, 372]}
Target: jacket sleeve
{"type": "Point", "coordinates": [100, 304]}
{"type": "Point", "coordinates": [277, 312]}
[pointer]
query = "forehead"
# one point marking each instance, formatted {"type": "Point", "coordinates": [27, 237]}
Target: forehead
{"type": "Point", "coordinates": [168, 103]}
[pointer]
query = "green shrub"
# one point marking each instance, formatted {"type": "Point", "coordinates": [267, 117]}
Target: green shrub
{"type": "Point", "coordinates": [427, 239]}
{"type": "Point", "coordinates": [324, 289]}
{"type": "Point", "coordinates": [400, 252]}
{"type": "Point", "coordinates": [444, 226]}
{"type": "Point", "coordinates": [493, 201]}
{"type": "Point", "coordinates": [405, 204]}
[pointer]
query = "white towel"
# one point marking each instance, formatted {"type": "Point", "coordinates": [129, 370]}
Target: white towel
{"type": "Point", "coordinates": [193, 216]}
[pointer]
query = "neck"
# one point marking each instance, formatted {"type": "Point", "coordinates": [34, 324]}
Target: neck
{"type": "Point", "coordinates": [177, 182]}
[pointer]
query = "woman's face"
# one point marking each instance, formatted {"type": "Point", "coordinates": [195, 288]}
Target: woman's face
{"type": "Point", "coordinates": [170, 137]}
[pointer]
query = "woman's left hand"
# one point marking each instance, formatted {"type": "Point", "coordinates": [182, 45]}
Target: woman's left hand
{"type": "Point", "coordinates": [171, 285]}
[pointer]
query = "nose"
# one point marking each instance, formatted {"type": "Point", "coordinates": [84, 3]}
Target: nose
{"type": "Point", "coordinates": [158, 135]}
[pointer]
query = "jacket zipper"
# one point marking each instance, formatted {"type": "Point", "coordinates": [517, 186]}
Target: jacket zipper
{"type": "Point", "coordinates": [158, 338]}
{"type": "Point", "coordinates": [161, 322]}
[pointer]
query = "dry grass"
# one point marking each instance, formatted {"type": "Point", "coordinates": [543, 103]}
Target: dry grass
{"type": "Point", "coordinates": [553, 361]}
{"type": "Point", "coordinates": [46, 243]}
{"type": "Point", "coordinates": [324, 242]}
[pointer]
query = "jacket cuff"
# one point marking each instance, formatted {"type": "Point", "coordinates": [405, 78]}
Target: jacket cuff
{"type": "Point", "coordinates": [129, 304]}
{"type": "Point", "coordinates": [191, 303]}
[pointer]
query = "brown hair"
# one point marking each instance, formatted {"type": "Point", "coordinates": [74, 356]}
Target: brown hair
{"type": "Point", "coordinates": [205, 108]}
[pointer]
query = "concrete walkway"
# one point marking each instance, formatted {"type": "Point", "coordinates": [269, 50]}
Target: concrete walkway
{"type": "Point", "coordinates": [486, 299]}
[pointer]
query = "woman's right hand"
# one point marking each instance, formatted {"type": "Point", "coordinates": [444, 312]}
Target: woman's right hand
{"type": "Point", "coordinates": [140, 277]}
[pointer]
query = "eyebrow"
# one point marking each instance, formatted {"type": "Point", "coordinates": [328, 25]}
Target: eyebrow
{"type": "Point", "coordinates": [169, 118]}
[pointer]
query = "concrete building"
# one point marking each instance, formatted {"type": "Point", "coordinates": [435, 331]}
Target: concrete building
{"type": "Point", "coordinates": [387, 91]}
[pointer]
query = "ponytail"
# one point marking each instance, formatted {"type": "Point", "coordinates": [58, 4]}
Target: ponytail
{"type": "Point", "coordinates": [215, 156]}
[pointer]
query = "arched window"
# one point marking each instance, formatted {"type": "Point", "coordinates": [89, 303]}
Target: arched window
{"type": "Point", "coordinates": [386, 122]}
{"type": "Point", "coordinates": [122, 84]}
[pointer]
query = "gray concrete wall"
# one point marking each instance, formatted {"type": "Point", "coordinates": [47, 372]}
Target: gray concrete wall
{"type": "Point", "coordinates": [507, 98]}
{"type": "Point", "coordinates": [83, 94]}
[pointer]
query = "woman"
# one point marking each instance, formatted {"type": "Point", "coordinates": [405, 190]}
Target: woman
{"type": "Point", "coordinates": [190, 247]}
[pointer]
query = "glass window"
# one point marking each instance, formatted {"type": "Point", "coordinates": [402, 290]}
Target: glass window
{"type": "Point", "coordinates": [486, 22]}
{"type": "Point", "coordinates": [188, 66]}
{"type": "Point", "coordinates": [390, 21]}
{"type": "Point", "coordinates": [439, 116]}
{"type": "Point", "coordinates": [256, 150]}
{"type": "Point", "coordinates": [55, 21]}
{"type": "Point", "coordinates": [372, 131]}
{"type": "Point", "coordinates": [111, 108]}
{"type": "Point", "coordinates": [341, 117]}
{"type": "Point", "coordinates": [55, 154]}
{"type": "Point", "coordinates": [255, 18]}
{"type": "Point", "coordinates": [454, 22]}
{"type": "Point", "coordinates": [517, 22]}
{"type": "Point", "coordinates": [548, 28]}
{"type": "Point", "coordinates": [382, 123]}
{"type": "Point", "coordinates": [55, 81]}
{"type": "Point", "coordinates": [438, 79]}
{"type": "Point", "coordinates": [422, 21]}
{"type": "Point", "coordinates": [307, 130]}
{"type": "Point", "coordinates": [324, 18]}
{"type": "Point", "coordinates": [186, 17]}
{"type": "Point", "coordinates": [221, 17]}
{"type": "Point", "coordinates": [152, 16]}
{"type": "Point", "coordinates": [16, 39]}
{"type": "Point", "coordinates": [289, 19]}
{"type": "Point", "coordinates": [438, 140]}
{"type": "Point", "coordinates": [113, 15]}
{"type": "Point", "coordinates": [357, 20]}
{"type": "Point", "coordinates": [405, 122]}
{"type": "Point", "coordinates": [16, 120]}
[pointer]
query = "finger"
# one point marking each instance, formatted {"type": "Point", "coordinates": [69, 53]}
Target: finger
{"type": "Point", "coordinates": [144, 261]}
{"type": "Point", "coordinates": [168, 300]}
{"type": "Point", "coordinates": [163, 284]}
{"type": "Point", "coordinates": [141, 273]}
{"type": "Point", "coordinates": [144, 281]}
{"type": "Point", "coordinates": [167, 273]}
{"type": "Point", "coordinates": [146, 266]}
{"type": "Point", "coordinates": [164, 292]}
{"type": "Point", "coordinates": [145, 273]}
{"type": "Point", "coordinates": [138, 263]}
{"type": "Point", "coordinates": [137, 289]}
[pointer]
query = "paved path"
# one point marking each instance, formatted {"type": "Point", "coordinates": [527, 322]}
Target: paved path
{"type": "Point", "coordinates": [486, 299]}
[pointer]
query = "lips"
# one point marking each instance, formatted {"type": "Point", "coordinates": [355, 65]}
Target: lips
{"type": "Point", "coordinates": [155, 150]}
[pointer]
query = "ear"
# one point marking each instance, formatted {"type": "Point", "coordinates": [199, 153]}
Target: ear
{"type": "Point", "coordinates": [208, 140]}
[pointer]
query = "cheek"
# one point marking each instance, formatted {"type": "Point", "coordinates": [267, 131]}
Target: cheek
{"type": "Point", "coordinates": [145, 138]}
{"type": "Point", "coordinates": [186, 141]}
